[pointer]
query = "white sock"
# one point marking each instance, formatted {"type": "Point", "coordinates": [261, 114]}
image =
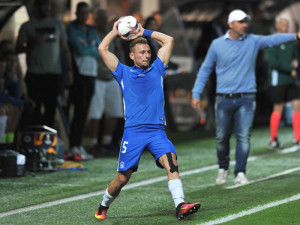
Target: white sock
{"type": "Point", "coordinates": [175, 187]}
{"type": "Point", "coordinates": [106, 139]}
{"type": "Point", "coordinates": [3, 120]}
{"type": "Point", "coordinates": [107, 199]}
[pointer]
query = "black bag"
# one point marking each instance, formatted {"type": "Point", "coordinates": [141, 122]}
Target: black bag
{"type": "Point", "coordinates": [12, 164]}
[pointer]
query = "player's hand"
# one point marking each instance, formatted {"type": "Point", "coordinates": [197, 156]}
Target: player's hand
{"type": "Point", "coordinates": [115, 29]}
{"type": "Point", "coordinates": [196, 103]}
{"type": "Point", "coordinates": [138, 34]}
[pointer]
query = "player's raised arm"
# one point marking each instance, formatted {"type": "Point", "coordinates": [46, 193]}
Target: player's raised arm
{"type": "Point", "coordinates": [165, 41]}
{"type": "Point", "coordinates": [110, 59]}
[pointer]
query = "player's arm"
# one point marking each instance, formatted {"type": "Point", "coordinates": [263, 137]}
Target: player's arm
{"type": "Point", "coordinates": [110, 60]}
{"type": "Point", "coordinates": [165, 41]}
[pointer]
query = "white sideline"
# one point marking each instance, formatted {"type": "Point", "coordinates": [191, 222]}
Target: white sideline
{"type": "Point", "coordinates": [252, 211]}
{"type": "Point", "coordinates": [265, 178]}
{"type": "Point", "coordinates": [92, 194]}
{"type": "Point", "coordinates": [128, 186]}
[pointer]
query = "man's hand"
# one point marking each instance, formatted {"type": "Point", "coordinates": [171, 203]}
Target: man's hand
{"type": "Point", "coordinates": [196, 103]}
{"type": "Point", "coordinates": [297, 36]}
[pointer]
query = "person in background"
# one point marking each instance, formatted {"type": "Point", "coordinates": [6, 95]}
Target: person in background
{"type": "Point", "coordinates": [143, 99]}
{"type": "Point", "coordinates": [107, 99]}
{"type": "Point", "coordinates": [282, 76]}
{"type": "Point", "coordinates": [158, 18]}
{"type": "Point", "coordinates": [233, 55]}
{"type": "Point", "coordinates": [44, 41]}
{"type": "Point", "coordinates": [138, 16]}
{"type": "Point", "coordinates": [3, 109]}
{"type": "Point", "coordinates": [10, 106]}
{"type": "Point", "coordinates": [83, 40]}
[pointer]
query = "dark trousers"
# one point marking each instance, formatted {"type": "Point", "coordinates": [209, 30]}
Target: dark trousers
{"type": "Point", "coordinates": [43, 89]}
{"type": "Point", "coordinates": [82, 93]}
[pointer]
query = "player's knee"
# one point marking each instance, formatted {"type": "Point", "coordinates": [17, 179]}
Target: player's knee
{"type": "Point", "coordinates": [122, 180]}
{"type": "Point", "coordinates": [172, 163]}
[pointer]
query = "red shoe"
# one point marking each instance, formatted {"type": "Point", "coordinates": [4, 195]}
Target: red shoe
{"type": "Point", "coordinates": [185, 209]}
{"type": "Point", "coordinates": [101, 213]}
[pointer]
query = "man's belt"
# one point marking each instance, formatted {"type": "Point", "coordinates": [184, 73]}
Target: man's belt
{"type": "Point", "coordinates": [234, 95]}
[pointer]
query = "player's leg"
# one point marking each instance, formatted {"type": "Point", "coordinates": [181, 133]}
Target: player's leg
{"type": "Point", "coordinates": [132, 146]}
{"type": "Point", "coordinates": [112, 192]}
{"type": "Point", "coordinates": [274, 124]}
{"type": "Point", "coordinates": [165, 156]}
{"type": "Point", "coordinates": [294, 97]}
{"type": "Point", "coordinates": [277, 97]}
{"type": "Point", "coordinates": [113, 112]}
{"type": "Point", "coordinates": [296, 120]}
{"type": "Point", "coordinates": [95, 114]}
{"type": "Point", "coordinates": [183, 209]}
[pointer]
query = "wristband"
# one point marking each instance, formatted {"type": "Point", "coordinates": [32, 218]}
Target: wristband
{"type": "Point", "coordinates": [147, 33]}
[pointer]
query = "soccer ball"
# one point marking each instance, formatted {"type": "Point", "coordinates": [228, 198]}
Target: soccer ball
{"type": "Point", "coordinates": [128, 26]}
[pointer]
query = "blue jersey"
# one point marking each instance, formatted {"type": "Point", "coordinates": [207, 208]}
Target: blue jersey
{"type": "Point", "coordinates": [142, 93]}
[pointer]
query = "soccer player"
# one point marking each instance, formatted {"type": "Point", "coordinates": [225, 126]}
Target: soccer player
{"type": "Point", "coordinates": [283, 87]}
{"type": "Point", "coordinates": [142, 87]}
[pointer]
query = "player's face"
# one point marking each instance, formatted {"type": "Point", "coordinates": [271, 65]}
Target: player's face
{"type": "Point", "coordinates": [282, 26]}
{"type": "Point", "coordinates": [238, 28]}
{"type": "Point", "coordinates": [141, 55]}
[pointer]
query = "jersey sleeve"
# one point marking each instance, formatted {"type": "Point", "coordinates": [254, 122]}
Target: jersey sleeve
{"type": "Point", "coordinates": [118, 74]}
{"type": "Point", "coordinates": [159, 64]}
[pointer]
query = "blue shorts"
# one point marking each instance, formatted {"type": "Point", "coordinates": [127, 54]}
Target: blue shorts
{"type": "Point", "coordinates": [137, 139]}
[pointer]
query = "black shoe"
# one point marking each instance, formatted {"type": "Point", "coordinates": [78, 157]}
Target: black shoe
{"type": "Point", "coordinates": [185, 209]}
{"type": "Point", "coordinates": [296, 144]}
{"type": "Point", "coordinates": [274, 144]}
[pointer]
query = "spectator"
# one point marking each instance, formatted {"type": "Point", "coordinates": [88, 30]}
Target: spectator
{"type": "Point", "coordinates": [107, 98]}
{"type": "Point", "coordinates": [138, 17]}
{"type": "Point", "coordinates": [158, 18]}
{"type": "Point", "coordinates": [283, 65]}
{"type": "Point", "coordinates": [44, 40]}
{"type": "Point", "coordinates": [16, 85]}
{"type": "Point", "coordinates": [233, 55]}
{"type": "Point", "coordinates": [13, 78]}
{"type": "Point", "coordinates": [3, 113]}
{"type": "Point", "coordinates": [10, 106]}
{"type": "Point", "coordinates": [83, 40]}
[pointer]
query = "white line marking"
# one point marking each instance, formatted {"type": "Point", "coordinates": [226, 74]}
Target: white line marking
{"type": "Point", "coordinates": [252, 211]}
{"type": "Point", "coordinates": [265, 178]}
{"type": "Point", "coordinates": [45, 184]}
{"type": "Point", "coordinates": [290, 149]}
{"type": "Point", "coordinates": [128, 186]}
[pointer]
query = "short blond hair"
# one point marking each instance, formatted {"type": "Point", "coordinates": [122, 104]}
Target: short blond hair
{"type": "Point", "coordinates": [139, 40]}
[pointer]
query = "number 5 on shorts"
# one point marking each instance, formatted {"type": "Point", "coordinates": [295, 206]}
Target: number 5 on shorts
{"type": "Point", "coordinates": [124, 146]}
